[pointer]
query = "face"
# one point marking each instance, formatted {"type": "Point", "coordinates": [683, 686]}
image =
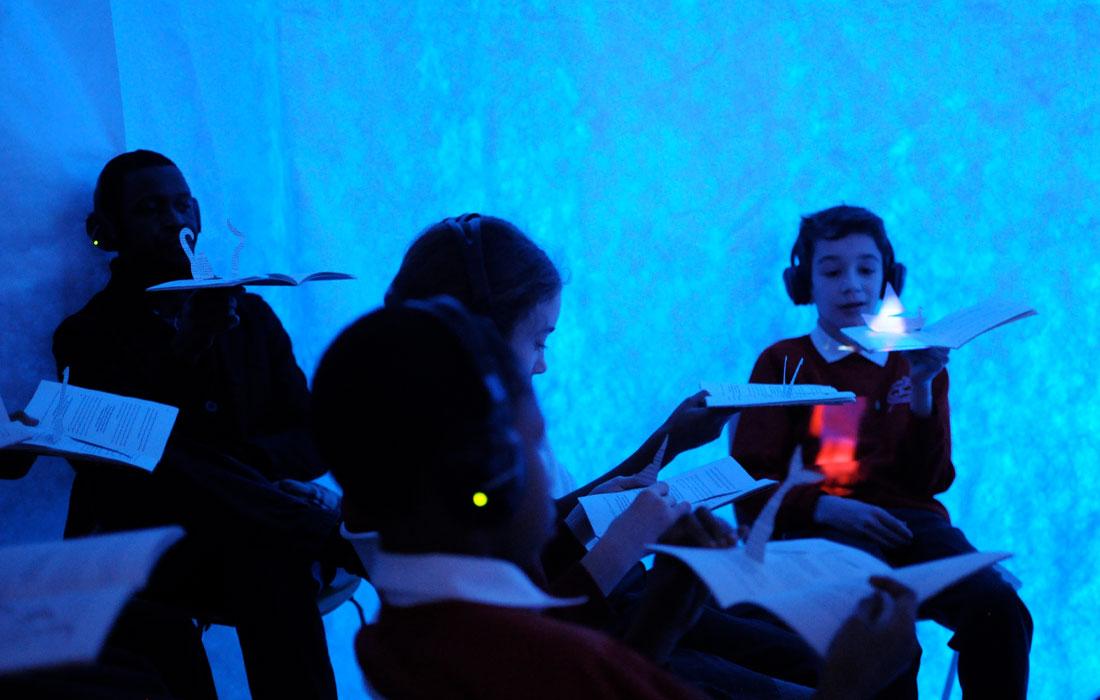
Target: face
{"type": "Point", "coordinates": [528, 339]}
{"type": "Point", "coordinates": [846, 280]}
{"type": "Point", "coordinates": [156, 204]}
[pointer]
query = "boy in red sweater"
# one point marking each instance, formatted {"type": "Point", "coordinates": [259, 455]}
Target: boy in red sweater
{"type": "Point", "coordinates": [884, 457]}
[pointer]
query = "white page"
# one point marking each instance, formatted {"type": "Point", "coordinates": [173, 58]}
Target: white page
{"type": "Point", "coordinates": [102, 426]}
{"type": "Point", "coordinates": [952, 331]}
{"type": "Point", "coordinates": [814, 584]}
{"type": "Point", "coordinates": [58, 600]}
{"type": "Point", "coordinates": [11, 431]}
{"type": "Point", "coordinates": [709, 483]}
{"type": "Point", "coordinates": [959, 328]}
{"type": "Point", "coordinates": [733, 394]}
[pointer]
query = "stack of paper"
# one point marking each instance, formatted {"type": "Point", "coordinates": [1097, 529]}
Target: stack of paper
{"type": "Point", "coordinates": [952, 331]}
{"type": "Point", "coordinates": [96, 425]}
{"type": "Point", "coordinates": [724, 394]}
{"type": "Point", "coordinates": [815, 585]}
{"type": "Point", "coordinates": [711, 485]}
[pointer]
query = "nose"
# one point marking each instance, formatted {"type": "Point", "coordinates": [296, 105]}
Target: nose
{"type": "Point", "coordinates": [850, 281]}
{"type": "Point", "coordinates": [540, 366]}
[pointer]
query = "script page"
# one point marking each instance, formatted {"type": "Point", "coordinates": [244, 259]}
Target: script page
{"type": "Point", "coordinates": [58, 600]}
{"type": "Point", "coordinates": [100, 425]}
{"type": "Point", "coordinates": [705, 484]}
{"type": "Point", "coordinates": [959, 328]}
{"type": "Point", "coordinates": [734, 395]}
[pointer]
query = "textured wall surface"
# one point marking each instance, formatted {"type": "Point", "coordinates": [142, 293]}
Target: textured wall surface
{"type": "Point", "coordinates": [662, 152]}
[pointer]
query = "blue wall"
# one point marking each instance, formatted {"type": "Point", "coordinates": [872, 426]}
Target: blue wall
{"type": "Point", "coordinates": [662, 152]}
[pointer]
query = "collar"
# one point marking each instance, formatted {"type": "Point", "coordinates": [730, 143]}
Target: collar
{"type": "Point", "coordinates": [404, 580]}
{"type": "Point", "coordinates": [832, 351]}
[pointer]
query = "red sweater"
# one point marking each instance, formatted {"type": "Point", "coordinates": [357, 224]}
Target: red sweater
{"type": "Point", "coordinates": [470, 650]}
{"type": "Point", "coordinates": [875, 450]}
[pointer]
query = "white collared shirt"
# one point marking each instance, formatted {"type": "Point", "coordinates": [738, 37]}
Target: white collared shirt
{"type": "Point", "coordinates": [832, 351]}
{"type": "Point", "coordinates": [404, 580]}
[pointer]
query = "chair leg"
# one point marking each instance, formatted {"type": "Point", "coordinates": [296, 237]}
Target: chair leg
{"type": "Point", "coordinates": [952, 671]}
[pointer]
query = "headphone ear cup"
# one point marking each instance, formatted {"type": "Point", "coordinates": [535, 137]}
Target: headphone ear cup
{"type": "Point", "coordinates": [101, 232]}
{"type": "Point", "coordinates": [798, 287]}
{"type": "Point", "coordinates": [487, 494]}
{"type": "Point", "coordinates": [897, 279]}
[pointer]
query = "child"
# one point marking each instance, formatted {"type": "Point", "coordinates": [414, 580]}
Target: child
{"type": "Point", "coordinates": [886, 456]}
{"type": "Point", "coordinates": [433, 433]}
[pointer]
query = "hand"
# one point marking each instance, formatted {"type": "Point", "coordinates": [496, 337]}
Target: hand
{"type": "Point", "coordinates": [926, 363]}
{"type": "Point", "coordinates": [653, 511]}
{"type": "Point", "coordinates": [618, 484]}
{"type": "Point", "coordinates": [863, 519]}
{"type": "Point", "coordinates": [206, 314]}
{"type": "Point", "coordinates": [874, 646]}
{"type": "Point", "coordinates": [693, 424]}
{"type": "Point", "coordinates": [23, 418]}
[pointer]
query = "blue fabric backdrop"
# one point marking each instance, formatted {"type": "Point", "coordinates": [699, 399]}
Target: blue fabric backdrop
{"type": "Point", "coordinates": [662, 152]}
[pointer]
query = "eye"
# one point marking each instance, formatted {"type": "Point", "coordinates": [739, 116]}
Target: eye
{"type": "Point", "coordinates": [183, 206]}
{"type": "Point", "coordinates": [830, 273]}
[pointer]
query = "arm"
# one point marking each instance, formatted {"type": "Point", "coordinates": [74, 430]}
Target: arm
{"type": "Point", "coordinates": [690, 425]}
{"type": "Point", "coordinates": [924, 455]}
{"type": "Point", "coordinates": [873, 647]}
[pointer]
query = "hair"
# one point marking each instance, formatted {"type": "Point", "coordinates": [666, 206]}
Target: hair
{"type": "Point", "coordinates": [838, 222]}
{"type": "Point", "coordinates": [397, 395]}
{"type": "Point", "coordinates": [109, 193]}
{"type": "Point", "coordinates": [519, 273]}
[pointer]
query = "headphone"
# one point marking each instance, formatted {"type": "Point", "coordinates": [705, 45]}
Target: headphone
{"type": "Point", "coordinates": [104, 234]}
{"type": "Point", "coordinates": [486, 469]}
{"type": "Point", "coordinates": [467, 229]}
{"type": "Point", "coordinates": [797, 278]}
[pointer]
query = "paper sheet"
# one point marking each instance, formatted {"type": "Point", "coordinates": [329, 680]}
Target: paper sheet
{"type": "Point", "coordinates": [648, 476]}
{"type": "Point", "coordinates": [58, 600]}
{"type": "Point", "coordinates": [952, 331]}
{"type": "Point", "coordinates": [814, 585]}
{"type": "Point", "coordinates": [100, 425]}
{"type": "Point", "coordinates": [712, 484]}
{"type": "Point", "coordinates": [744, 395]}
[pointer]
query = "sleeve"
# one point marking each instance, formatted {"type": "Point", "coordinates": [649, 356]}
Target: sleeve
{"type": "Point", "coordinates": [763, 444]}
{"type": "Point", "coordinates": [567, 578]}
{"type": "Point", "coordinates": [281, 445]}
{"type": "Point", "coordinates": [924, 457]}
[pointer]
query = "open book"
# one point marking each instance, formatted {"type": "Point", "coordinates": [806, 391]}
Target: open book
{"type": "Point", "coordinates": [815, 585]}
{"type": "Point", "coordinates": [59, 600]}
{"type": "Point", "coordinates": [96, 425]}
{"type": "Point", "coordinates": [952, 331]}
{"type": "Point", "coordinates": [271, 279]}
{"type": "Point", "coordinates": [743, 395]}
{"type": "Point", "coordinates": [711, 485]}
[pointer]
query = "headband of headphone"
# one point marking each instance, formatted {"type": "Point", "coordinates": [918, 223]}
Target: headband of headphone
{"type": "Point", "coordinates": [467, 229]}
{"type": "Point", "coordinates": [486, 469]}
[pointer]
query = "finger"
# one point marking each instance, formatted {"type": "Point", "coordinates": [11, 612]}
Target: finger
{"type": "Point", "coordinates": [685, 531]}
{"type": "Point", "coordinates": [626, 483]}
{"type": "Point", "coordinates": [24, 419]}
{"type": "Point", "coordinates": [882, 535]}
{"type": "Point", "coordinates": [895, 526]}
{"type": "Point", "coordinates": [659, 487]}
{"type": "Point", "coordinates": [870, 606]}
{"type": "Point", "coordinates": [905, 596]}
{"type": "Point", "coordinates": [720, 532]}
